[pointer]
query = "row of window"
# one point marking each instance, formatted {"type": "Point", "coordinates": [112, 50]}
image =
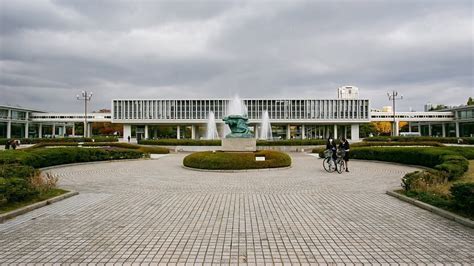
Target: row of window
{"type": "Point", "coordinates": [15, 115]}
{"type": "Point", "coordinates": [277, 109]}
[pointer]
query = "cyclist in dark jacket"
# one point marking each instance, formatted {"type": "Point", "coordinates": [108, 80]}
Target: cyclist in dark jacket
{"type": "Point", "coordinates": [344, 145]}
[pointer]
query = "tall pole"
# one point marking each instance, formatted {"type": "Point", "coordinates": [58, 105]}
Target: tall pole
{"type": "Point", "coordinates": [85, 96]}
{"type": "Point", "coordinates": [393, 97]}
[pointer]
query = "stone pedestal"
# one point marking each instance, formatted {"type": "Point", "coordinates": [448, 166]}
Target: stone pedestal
{"type": "Point", "coordinates": [239, 144]}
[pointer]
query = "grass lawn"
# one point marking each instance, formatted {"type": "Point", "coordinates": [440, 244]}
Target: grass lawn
{"type": "Point", "coordinates": [44, 196]}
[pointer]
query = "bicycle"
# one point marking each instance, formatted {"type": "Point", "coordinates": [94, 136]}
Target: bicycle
{"type": "Point", "coordinates": [330, 165]}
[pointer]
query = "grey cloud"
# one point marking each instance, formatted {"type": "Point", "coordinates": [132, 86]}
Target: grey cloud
{"type": "Point", "coordinates": [50, 50]}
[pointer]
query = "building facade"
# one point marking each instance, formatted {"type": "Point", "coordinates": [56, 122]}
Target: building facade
{"type": "Point", "coordinates": [290, 118]}
{"type": "Point", "coordinates": [188, 118]}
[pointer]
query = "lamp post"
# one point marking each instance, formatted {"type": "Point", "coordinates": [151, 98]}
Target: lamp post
{"type": "Point", "coordinates": [393, 96]}
{"type": "Point", "coordinates": [86, 97]}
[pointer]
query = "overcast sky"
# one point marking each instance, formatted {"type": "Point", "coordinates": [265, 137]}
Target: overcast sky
{"type": "Point", "coordinates": [51, 50]}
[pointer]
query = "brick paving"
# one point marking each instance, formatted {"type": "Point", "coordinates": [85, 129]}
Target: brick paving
{"type": "Point", "coordinates": [154, 211]}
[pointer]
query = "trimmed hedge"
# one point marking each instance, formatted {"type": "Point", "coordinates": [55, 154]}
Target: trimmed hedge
{"type": "Point", "coordinates": [144, 149]}
{"type": "Point", "coordinates": [466, 140]}
{"type": "Point", "coordinates": [236, 160]}
{"type": "Point", "coordinates": [320, 150]}
{"type": "Point", "coordinates": [3, 141]}
{"type": "Point", "coordinates": [196, 142]}
{"type": "Point", "coordinates": [180, 142]}
{"type": "Point", "coordinates": [463, 196]}
{"type": "Point", "coordinates": [38, 158]}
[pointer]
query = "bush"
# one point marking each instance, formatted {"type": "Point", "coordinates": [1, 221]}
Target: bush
{"type": "Point", "coordinates": [16, 189]}
{"type": "Point", "coordinates": [387, 144]}
{"type": "Point", "coordinates": [15, 170]}
{"type": "Point", "coordinates": [3, 141]}
{"type": "Point", "coordinates": [236, 160]}
{"type": "Point", "coordinates": [418, 139]}
{"type": "Point", "coordinates": [291, 142]}
{"type": "Point", "coordinates": [420, 180]}
{"type": "Point", "coordinates": [180, 142]}
{"type": "Point", "coordinates": [453, 165]}
{"type": "Point", "coordinates": [38, 158]}
{"type": "Point", "coordinates": [195, 142]}
{"type": "Point", "coordinates": [144, 149]}
{"type": "Point", "coordinates": [463, 197]}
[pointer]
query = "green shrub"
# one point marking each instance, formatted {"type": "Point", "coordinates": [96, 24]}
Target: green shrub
{"type": "Point", "coordinates": [38, 158]}
{"type": "Point", "coordinates": [291, 142]}
{"type": "Point", "coordinates": [15, 170]}
{"type": "Point", "coordinates": [465, 140]}
{"type": "Point", "coordinates": [180, 142]}
{"type": "Point", "coordinates": [463, 196]}
{"type": "Point", "coordinates": [16, 189]}
{"type": "Point", "coordinates": [195, 142]}
{"type": "Point", "coordinates": [3, 141]}
{"type": "Point", "coordinates": [420, 180]}
{"type": "Point", "coordinates": [387, 144]}
{"type": "Point", "coordinates": [454, 165]}
{"type": "Point", "coordinates": [236, 160]}
{"type": "Point", "coordinates": [430, 198]}
{"type": "Point", "coordinates": [144, 149]}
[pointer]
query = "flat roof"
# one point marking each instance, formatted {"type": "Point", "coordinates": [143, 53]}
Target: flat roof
{"type": "Point", "coordinates": [20, 108]}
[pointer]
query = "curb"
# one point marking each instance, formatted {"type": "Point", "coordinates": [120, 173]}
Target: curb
{"type": "Point", "coordinates": [446, 214]}
{"type": "Point", "coordinates": [34, 206]}
{"type": "Point", "coordinates": [236, 171]}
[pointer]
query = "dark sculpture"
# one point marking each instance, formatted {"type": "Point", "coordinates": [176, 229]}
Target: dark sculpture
{"type": "Point", "coordinates": [238, 126]}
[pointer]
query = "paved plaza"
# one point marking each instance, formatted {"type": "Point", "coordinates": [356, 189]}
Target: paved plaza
{"type": "Point", "coordinates": [154, 211]}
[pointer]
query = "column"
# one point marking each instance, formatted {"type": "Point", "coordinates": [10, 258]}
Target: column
{"type": "Point", "coordinates": [303, 133]}
{"type": "Point", "coordinates": [85, 130]}
{"type": "Point", "coordinates": [27, 127]}
{"type": "Point", "coordinates": [409, 127]}
{"type": "Point", "coordinates": [397, 128]}
{"type": "Point", "coordinates": [345, 132]}
{"type": "Point", "coordinates": [89, 130]}
{"type": "Point", "coordinates": [419, 128]}
{"type": "Point", "coordinates": [53, 132]}
{"type": "Point", "coordinates": [193, 131]}
{"type": "Point", "coordinates": [73, 129]}
{"type": "Point", "coordinates": [355, 132]}
{"type": "Point", "coordinates": [457, 130]}
{"type": "Point", "coordinates": [178, 132]}
{"type": "Point", "coordinates": [9, 129]}
{"type": "Point", "coordinates": [429, 129]}
{"type": "Point", "coordinates": [127, 131]}
{"type": "Point", "coordinates": [40, 130]}
{"type": "Point", "coordinates": [443, 127]}
{"type": "Point", "coordinates": [288, 131]}
{"type": "Point", "coordinates": [146, 131]}
{"type": "Point", "coordinates": [9, 124]}
{"type": "Point", "coordinates": [256, 132]}
{"type": "Point", "coordinates": [335, 132]}
{"type": "Point", "coordinates": [64, 130]}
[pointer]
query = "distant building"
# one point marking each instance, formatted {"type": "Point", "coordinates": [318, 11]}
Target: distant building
{"type": "Point", "coordinates": [387, 109]}
{"type": "Point", "coordinates": [348, 93]}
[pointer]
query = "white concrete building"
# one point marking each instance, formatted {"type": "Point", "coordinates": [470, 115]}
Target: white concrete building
{"type": "Point", "coordinates": [348, 92]}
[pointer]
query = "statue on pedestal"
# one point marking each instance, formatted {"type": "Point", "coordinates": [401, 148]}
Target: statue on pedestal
{"type": "Point", "coordinates": [238, 125]}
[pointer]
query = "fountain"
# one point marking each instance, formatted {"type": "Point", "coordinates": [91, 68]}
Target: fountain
{"type": "Point", "coordinates": [266, 127]}
{"type": "Point", "coordinates": [211, 127]}
{"type": "Point", "coordinates": [240, 138]}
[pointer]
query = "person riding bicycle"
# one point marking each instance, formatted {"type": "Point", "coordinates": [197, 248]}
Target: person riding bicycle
{"type": "Point", "coordinates": [331, 145]}
{"type": "Point", "coordinates": [344, 145]}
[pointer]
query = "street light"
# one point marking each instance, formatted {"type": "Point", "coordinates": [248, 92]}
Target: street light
{"type": "Point", "coordinates": [86, 97]}
{"type": "Point", "coordinates": [393, 97]}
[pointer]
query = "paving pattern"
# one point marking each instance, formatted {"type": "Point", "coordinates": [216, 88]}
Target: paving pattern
{"type": "Point", "coordinates": [154, 211]}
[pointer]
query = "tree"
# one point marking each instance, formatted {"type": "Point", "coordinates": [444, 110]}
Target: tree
{"type": "Point", "coordinates": [470, 101]}
{"type": "Point", "coordinates": [366, 129]}
{"type": "Point", "coordinates": [383, 128]}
